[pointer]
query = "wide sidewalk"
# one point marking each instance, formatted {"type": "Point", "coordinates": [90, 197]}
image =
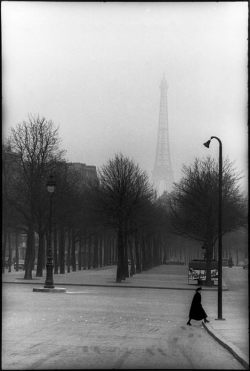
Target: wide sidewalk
{"type": "Point", "coordinates": [232, 333]}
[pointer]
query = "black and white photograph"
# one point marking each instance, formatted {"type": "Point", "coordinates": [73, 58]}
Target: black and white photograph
{"type": "Point", "coordinates": [124, 185]}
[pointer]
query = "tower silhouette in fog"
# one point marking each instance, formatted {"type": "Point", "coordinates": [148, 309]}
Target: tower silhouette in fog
{"type": "Point", "coordinates": [162, 174]}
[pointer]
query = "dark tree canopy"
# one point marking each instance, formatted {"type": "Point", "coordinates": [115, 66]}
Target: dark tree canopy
{"type": "Point", "coordinates": [123, 191]}
{"type": "Point", "coordinates": [194, 201]}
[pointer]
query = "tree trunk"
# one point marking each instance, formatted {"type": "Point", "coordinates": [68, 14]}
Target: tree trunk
{"type": "Point", "coordinates": [73, 252]}
{"type": "Point", "coordinates": [137, 254]}
{"type": "Point", "coordinates": [158, 239]}
{"type": "Point", "coordinates": [34, 253]}
{"type": "Point", "coordinates": [95, 258]}
{"type": "Point", "coordinates": [164, 251]}
{"type": "Point", "coordinates": [237, 255]}
{"type": "Point", "coordinates": [160, 249]}
{"type": "Point", "coordinates": [108, 248]}
{"type": "Point", "coordinates": [132, 268]}
{"type": "Point", "coordinates": [89, 258]}
{"type": "Point", "coordinates": [10, 251]}
{"type": "Point", "coordinates": [208, 266]}
{"type": "Point", "coordinates": [68, 253]}
{"type": "Point", "coordinates": [62, 250]}
{"type": "Point", "coordinates": [149, 254]}
{"type": "Point", "coordinates": [28, 255]}
{"type": "Point", "coordinates": [113, 259]}
{"type": "Point", "coordinates": [119, 257]}
{"type": "Point", "coordinates": [109, 261]}
{"type": "Point", "coordinates": [4, 248]}
{"type": "Point", "coordinates": [17, 254]}
{"type": "Point", "coordinates": [39, 267]}
{"type": "Point", "coordinates": [111, 251]}
{"type": "Point", "coordinates": [105, 250]}
{"type": "Point", "coordinates": [44, 252]}
{"type": "Point", "coordinates": [55, 251]}
{"type": "Point", "coordinates": [181, 255]}
{"type": "Point", "coordinates": [144, 255]}
{"type": "Point", "coordinates": [125, 260]}
{"type": "Point", "coordinates": [101, 247]}
{"type": "Point", "coordinates": [155, 250]}
{"type": "Point", "coordinates": [84, 254]}
{"type": "Point", "coordinates": [80, 254]}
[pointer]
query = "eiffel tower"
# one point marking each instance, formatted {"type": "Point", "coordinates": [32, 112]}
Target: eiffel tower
{"type": "Point", "coordinates": [162, 174]}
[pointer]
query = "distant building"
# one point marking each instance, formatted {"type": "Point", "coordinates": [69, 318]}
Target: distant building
{"type": "Point", "coordinates": [87, 173]}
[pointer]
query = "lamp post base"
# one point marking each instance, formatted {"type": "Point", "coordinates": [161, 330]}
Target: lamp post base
{"type": "Point", "coordinates": [220, 319]}
{"type": "Point", "coordinates": [52, 290]}
{"type": "Point", "coordinates": [49, 277]}
{"type": "Point", "coordinates": [48, 286]}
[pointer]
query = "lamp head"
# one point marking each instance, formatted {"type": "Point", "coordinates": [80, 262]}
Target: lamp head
{"type": "Point", "coordinates": [51, 184]}
{"type": "Point", "coordinates": [207, 144]}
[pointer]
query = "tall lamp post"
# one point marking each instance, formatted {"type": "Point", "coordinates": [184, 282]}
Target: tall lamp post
{"type": "Point", "coordinates": [51, 186]}
{"type": "Point", "coordinates": [220, 229]}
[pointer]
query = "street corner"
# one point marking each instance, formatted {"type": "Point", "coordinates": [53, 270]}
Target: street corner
{"type": "Point", "coordinates": [233, 349]}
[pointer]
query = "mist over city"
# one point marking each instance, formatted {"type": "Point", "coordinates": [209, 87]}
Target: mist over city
{"type": "Point", "coordinates": [95, 70]}
{"type": "Point", "coordinates": [125, 185]}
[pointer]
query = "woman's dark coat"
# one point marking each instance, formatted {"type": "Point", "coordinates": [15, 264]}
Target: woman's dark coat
{"type": "Point", "coordinates": [196, 310]}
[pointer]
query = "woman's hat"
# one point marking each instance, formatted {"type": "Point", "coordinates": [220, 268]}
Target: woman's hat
{"type": "Point", "coordinates": [199, 288]}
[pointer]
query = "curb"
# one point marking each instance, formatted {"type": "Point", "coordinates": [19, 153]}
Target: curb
{"type": "Point", "coordinates": [233, 349]}
{"type": "Point", "coordinates": [118, 285]}
{"type": "Point", "coordinates": [44, 289]}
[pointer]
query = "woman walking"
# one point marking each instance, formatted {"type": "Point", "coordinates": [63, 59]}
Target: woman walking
{"type": "Point", "coordinates": [196, 310]}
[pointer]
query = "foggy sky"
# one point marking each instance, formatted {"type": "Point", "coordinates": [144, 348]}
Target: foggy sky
{"type": "Point", "coordinates": [95, 70]}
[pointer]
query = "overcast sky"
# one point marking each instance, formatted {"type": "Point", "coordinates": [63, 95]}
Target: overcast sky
{"type": "Point", "coordinates": [95, 70]}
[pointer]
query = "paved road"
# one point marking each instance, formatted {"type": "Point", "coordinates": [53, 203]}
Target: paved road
{"type": "Point", "coordinates": [105, 327]}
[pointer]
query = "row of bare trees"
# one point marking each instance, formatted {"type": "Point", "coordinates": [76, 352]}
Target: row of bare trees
{"type": "Point", "coordinates": [124, 200]}
{"type": "Point", "coordinates": [115, 218]}
{"type": "Point", "coordinates": [119, 206]}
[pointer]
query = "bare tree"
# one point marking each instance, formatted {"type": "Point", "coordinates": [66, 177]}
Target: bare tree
{"type": "Point", "coordinates": [35, 144]}
{"type": "Point", "coordinates": [194, 204]}
{"type": "Point", "coordinates": [119, 197]}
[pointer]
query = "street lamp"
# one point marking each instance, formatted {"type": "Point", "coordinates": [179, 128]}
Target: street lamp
{"type": "Point", "coordinates": [220, 229]}
{"type": "Point", "coordinates": [51, 186]}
